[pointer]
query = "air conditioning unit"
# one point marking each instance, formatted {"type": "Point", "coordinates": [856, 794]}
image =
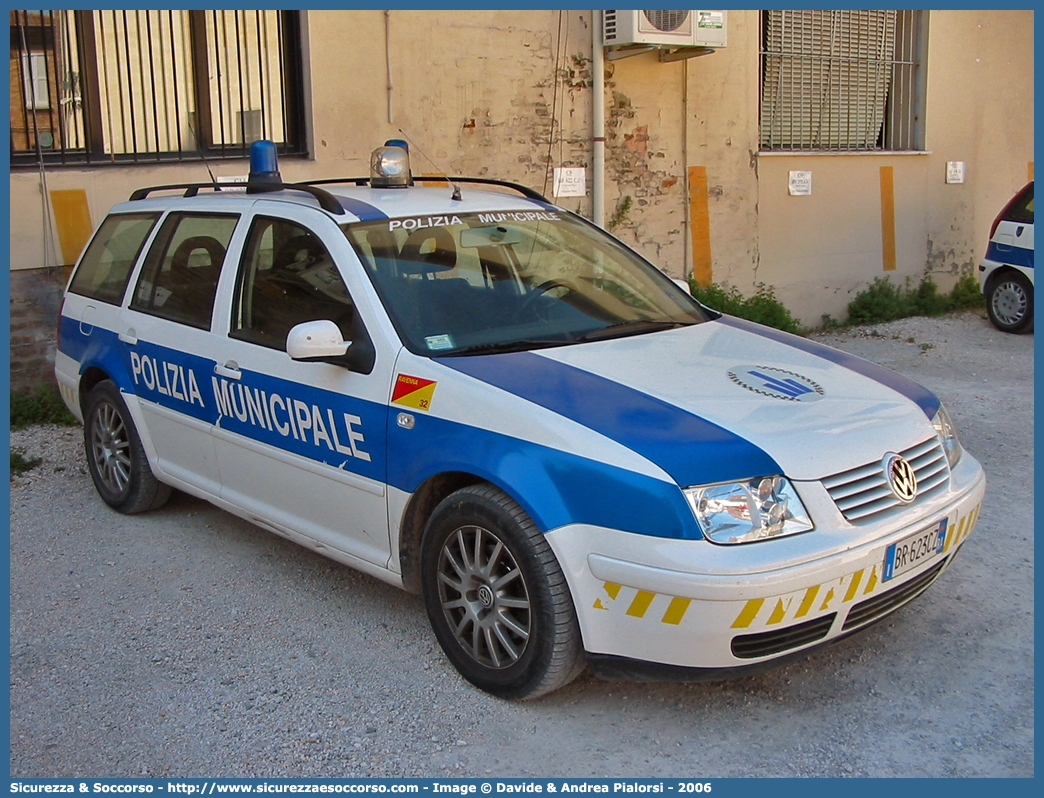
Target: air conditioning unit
{"type": "Point", "coordinates": [665, 28]}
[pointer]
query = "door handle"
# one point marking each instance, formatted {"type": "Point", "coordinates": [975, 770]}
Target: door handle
{"type": "Point", "coordinates": [129, 337]}
{"type": "Point", "coordinates": [230, 370]}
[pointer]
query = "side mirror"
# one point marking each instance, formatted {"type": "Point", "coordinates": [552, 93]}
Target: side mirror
{"type": "Point", "coordinates": [316, 341]}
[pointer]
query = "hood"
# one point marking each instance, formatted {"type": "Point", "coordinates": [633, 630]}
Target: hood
{"type": "Point", "coordinates": [722, 400]}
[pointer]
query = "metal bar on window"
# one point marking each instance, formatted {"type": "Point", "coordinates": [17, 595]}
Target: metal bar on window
{"type": "Point", "coordinates": [201, 71]}
{"type": "Point", "coordinates": [259, 19]}
{"type": "Point", "coordinates": [840, 80]}
{"type": "Point", "coordinates": [94, 82]}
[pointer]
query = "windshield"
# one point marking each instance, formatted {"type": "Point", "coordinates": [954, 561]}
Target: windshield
{"type": "Point", "coordinates": [508, 281]}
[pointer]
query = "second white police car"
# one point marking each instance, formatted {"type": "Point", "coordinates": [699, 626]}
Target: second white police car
{"type": "Point", "coordinates": [466, 391]}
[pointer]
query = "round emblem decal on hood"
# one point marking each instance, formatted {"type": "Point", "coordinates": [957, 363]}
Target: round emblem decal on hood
{"type": "Point", "coordinates": [777, 383]}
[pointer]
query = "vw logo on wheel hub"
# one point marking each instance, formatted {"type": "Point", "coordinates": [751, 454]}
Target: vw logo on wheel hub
{"type": "Point", "coordinates": [485, 596]}
{"type": "Point", "coordinates": [901, 477]}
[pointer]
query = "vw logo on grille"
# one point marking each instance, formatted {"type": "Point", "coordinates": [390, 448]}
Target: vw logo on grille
{"type": "Point", "coordinates": [901, 477]}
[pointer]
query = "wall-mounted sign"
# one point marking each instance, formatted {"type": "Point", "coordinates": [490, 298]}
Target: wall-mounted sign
{"type": "Point", "coordinates": [570, 181]}
{"type": "Point", "coordinates": [955, 171]}
{"type": "Point", "coordinates": [800, 184]}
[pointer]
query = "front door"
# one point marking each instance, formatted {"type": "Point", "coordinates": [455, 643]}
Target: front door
{"type": "Point", "coordinates": [301, 446]}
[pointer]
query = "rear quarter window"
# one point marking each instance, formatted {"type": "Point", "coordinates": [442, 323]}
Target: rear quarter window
{"type": "Point", "coordinates": [1021, 211]}
{"type": "Point", "coordinates": [106, 265]}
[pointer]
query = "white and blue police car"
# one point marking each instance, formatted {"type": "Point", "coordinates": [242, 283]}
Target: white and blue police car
{"type": "Point", "coordinates": [1006, 273]}
{"type": "Point", "coordinates": [471, 393]}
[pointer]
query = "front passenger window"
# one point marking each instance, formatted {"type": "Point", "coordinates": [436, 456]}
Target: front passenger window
{"type": "Point", "coordinates": [287, 277]}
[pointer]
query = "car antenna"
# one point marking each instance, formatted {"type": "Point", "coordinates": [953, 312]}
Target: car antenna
{"type": "Point", "coordinates": [456, 189]}
{"type": "Point", "coordinates": [206, 163]}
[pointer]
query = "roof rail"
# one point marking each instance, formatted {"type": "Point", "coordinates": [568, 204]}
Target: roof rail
{"type": "Point", "coordinates": [327, 201]}
{"type": "Point", "coordinates": [364, 181]}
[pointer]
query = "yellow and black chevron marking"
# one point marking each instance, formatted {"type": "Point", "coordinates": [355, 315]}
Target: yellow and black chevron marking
{"type": "Point", "coordinates": [642, 601]}
{"type": "Point", "coordinates": [964, 528]}
{"type": "Point", "coordinates": [836, 592]}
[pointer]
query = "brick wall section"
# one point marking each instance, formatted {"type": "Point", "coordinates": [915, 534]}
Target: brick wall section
{"type": "Point", "coordinates": [35, 297]}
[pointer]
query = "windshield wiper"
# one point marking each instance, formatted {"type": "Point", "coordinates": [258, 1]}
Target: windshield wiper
{"type": "Point", "coordinates": [632, 327]}
{"type": "Point", "coordinates": [523, 345]}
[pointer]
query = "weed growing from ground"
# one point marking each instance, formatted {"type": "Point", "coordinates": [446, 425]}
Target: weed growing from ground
{"type": "Point", "coordinates": [20, 463]}
{"type": "Point", "coordinates": [42, 406]}
{"type": "Point", "coordinates": [887, 301]}
{"type": "Point", "coordinates": [762, 307]}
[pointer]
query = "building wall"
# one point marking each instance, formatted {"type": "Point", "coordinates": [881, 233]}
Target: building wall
{"type": "Point", "coordinates": [820, 250]}
{"type": "Point", "coordinates": [507, 94]}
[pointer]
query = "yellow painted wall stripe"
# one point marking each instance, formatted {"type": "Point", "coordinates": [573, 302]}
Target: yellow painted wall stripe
{"type": "Point", "coordinates": [72, 218]}
{"type": "Point", "coordinates": [748, 613]}
{"type": "Point", "coordinates": [676, 610]}
{"type": "Point", "coordinates": [699, 225]}
{"type": "Point", "coordinates": [641, 603]}
{"type": "Point", "coordinates": [612, 590]}
{"type": "Point", "coordinates": [806, 602]}
{"type": "Point", "coordinates": [887, 218]}
{"type": "Point", "coordinates": [857, 577]}
{"type": "Point", "coordinates": [435, 183]}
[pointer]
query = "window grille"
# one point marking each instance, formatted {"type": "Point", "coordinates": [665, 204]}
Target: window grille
{"type": "Point", "coordinates": [842, 80]}
{"type": "Point", "coordinates": [153, 86]}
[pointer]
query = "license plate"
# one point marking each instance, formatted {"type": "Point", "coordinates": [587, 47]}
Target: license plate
{"type": "Point", "coordinates": [914, 550]}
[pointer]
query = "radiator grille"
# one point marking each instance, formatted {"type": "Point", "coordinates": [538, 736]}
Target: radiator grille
{"type": "Point", "coordinates": [862, 494]}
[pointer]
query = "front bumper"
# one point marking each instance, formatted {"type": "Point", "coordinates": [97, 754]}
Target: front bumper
{"type": "Point", "coordinates": [661, 607]}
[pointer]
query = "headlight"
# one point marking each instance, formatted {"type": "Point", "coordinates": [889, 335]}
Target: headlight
{"type": "Point", "coordinates": [741, 512]}
{"type": "Point", "coordinates": [948, 435]}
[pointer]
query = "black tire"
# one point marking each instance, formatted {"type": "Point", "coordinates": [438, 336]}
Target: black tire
{"type": "Point", "coordinates": [504, 617]}
{"type": "Point", "coordinates": [1009, 303]}
{"type": "Point", "coordinates": [115, 456]}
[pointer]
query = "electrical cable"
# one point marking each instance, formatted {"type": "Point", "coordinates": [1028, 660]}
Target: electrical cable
{"type": "Point", "coordinates": [549, 167]}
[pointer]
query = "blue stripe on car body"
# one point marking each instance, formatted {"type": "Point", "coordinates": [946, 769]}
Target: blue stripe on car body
{"type": "Point", "coordinates": [555, 487]}
{"type": "Point", "coordinates": [1010, 255]}
{"type": "Point", "coordinates": [915, 392]}
{"type": "Point", "coordinates": [364, 210]}
{"type": "Point", "coordinates": [690, 449]}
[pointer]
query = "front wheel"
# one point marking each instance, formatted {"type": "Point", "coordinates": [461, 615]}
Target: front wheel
{"type": "Point", "coordinates": [496, 596]}
{"type": "Point", "coordinates": [1009, 303]}
{"type": "Point", "coordinates": [115, 456]}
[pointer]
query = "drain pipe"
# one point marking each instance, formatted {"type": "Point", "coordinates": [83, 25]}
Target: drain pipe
{"type": "Point", "coordinates": [598, 121]}
{"type": "Point", "coordinates": [388, 61]}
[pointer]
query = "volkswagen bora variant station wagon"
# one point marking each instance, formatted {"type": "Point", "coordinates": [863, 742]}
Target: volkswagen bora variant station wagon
{"type": "Point", "coordinates": [466, 391]}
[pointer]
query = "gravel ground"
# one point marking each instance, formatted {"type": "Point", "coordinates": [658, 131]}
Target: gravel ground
{"type": "Point", "coordinates": [186, 642]}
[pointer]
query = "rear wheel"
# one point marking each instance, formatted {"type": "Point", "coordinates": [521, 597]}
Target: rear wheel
{"type": "Point", "coordinates": [496, 596]}
{"type": "Point", "coordinates": [1009, 302]}
{"type": "Point", "coordinates": [115, 456]}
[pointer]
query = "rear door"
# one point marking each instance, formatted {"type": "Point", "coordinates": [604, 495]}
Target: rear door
{"type": "Point", "coordinates": [167, 344]}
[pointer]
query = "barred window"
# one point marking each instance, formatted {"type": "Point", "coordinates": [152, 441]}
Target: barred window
{"type": "Point", "coordinates": [125, 86]}
{"type": "Point", "coordinates": [842, 80]}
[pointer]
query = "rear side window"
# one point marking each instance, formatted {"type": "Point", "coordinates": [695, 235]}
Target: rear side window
{"type": "Point", "coordinates": [107, 263]}
{"type": "Point", "coordinates": [1021, 210]}
{"type": "Point", "coordinates": [180, 275]}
